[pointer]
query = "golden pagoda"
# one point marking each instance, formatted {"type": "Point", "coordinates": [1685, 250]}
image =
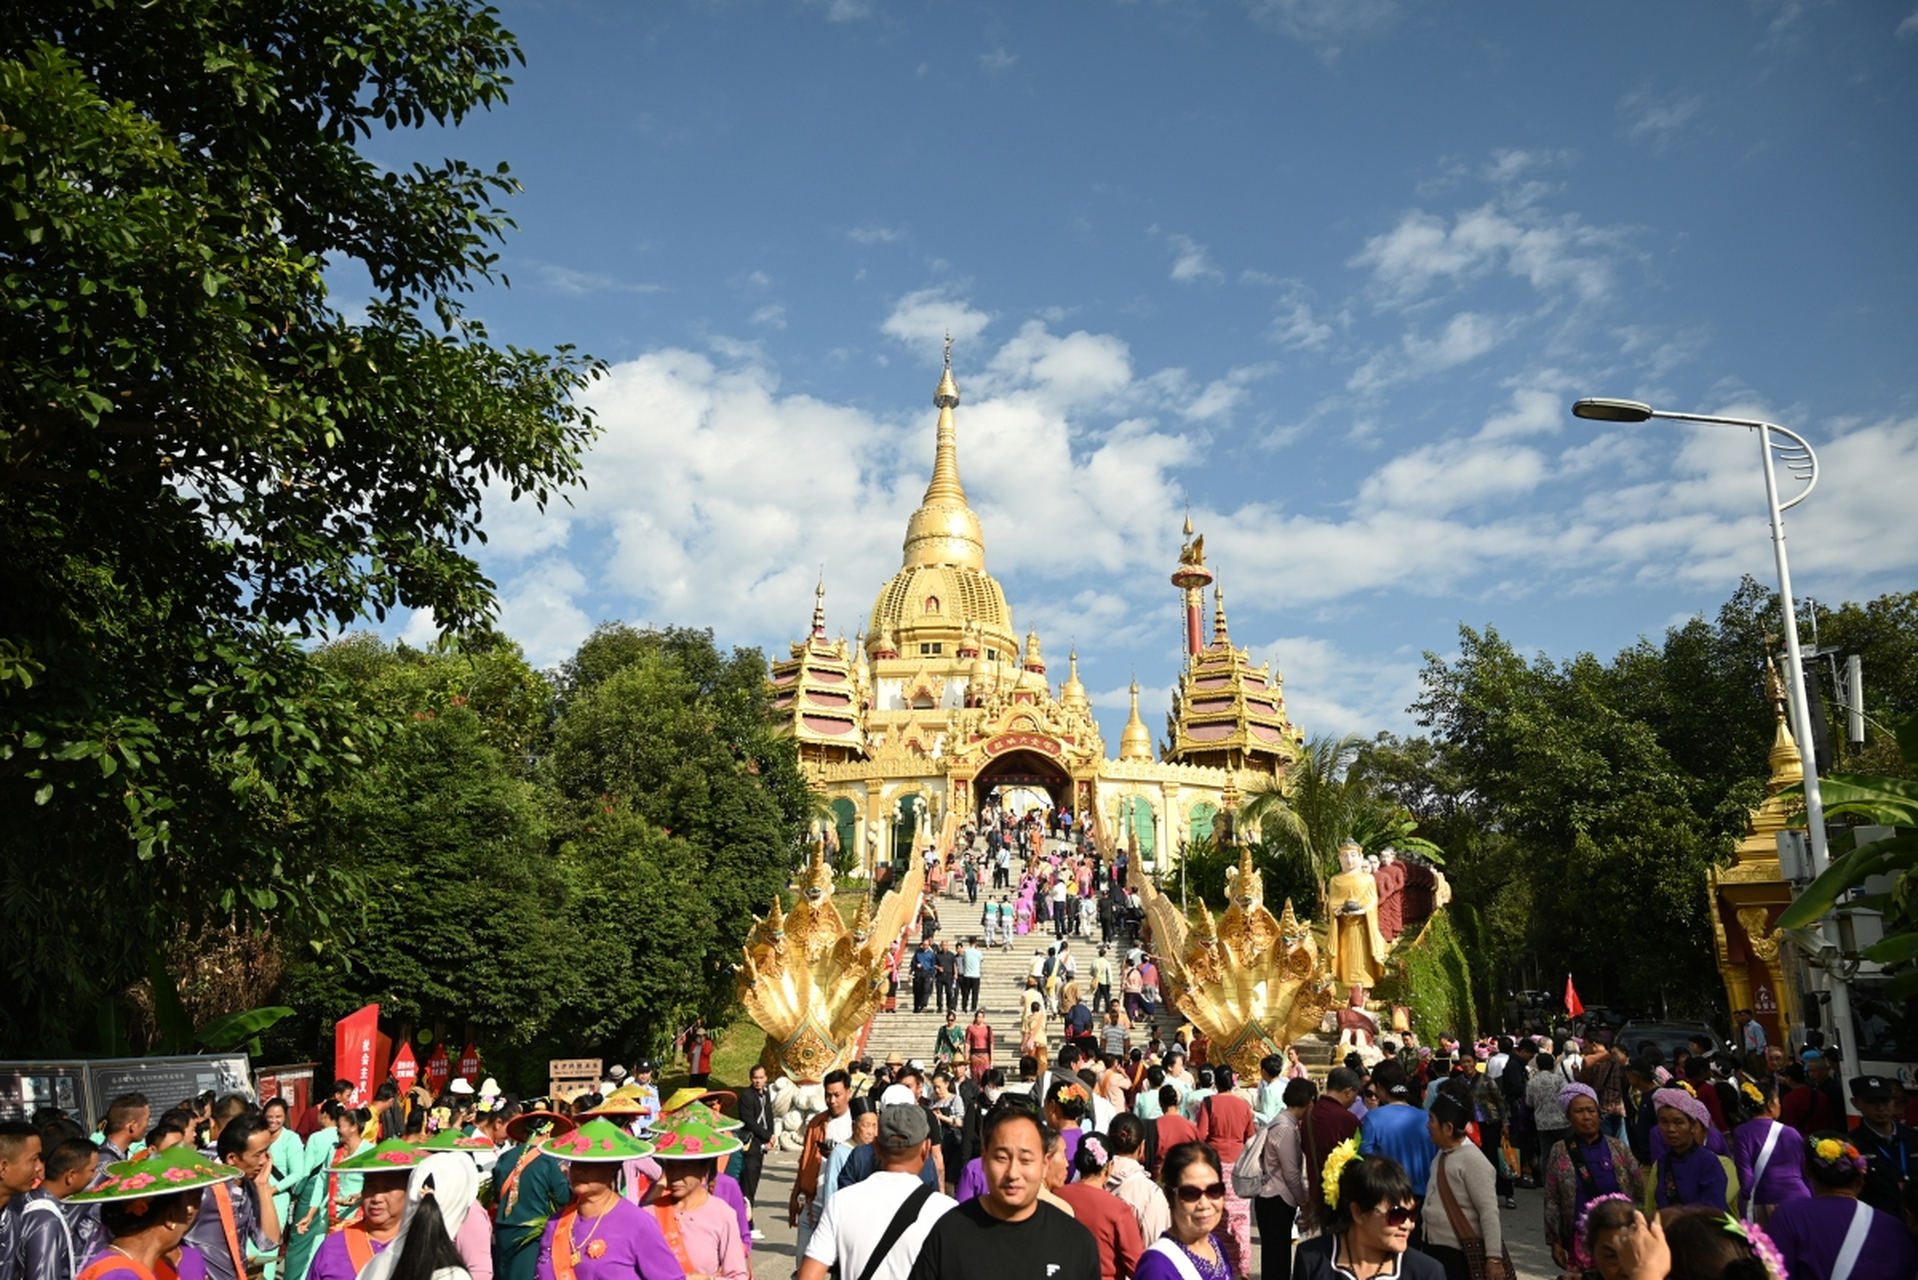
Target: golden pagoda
{"type": "Point", "coordinates": [941, 708]}
{"type": "Point", "coordinates": [1747, 897]}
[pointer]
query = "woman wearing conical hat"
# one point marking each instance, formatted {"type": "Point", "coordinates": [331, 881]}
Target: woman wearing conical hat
{"type": "Point", "coordinates": [527, 1191]}
{"type": "Point", "coordinates": [146, 1206]}
{"type": "Point", "coordinates": [601, 1235]}
{"type": "Point", "coordinates": [383, 1172]}
{"type": "Point", "coordinates": [700, 1228]}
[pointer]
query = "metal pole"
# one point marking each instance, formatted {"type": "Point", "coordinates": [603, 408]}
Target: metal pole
{"type": "Point", "coordinates": [1801, 729]}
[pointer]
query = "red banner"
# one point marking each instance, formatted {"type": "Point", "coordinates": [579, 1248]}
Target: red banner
{"type": "Point", "coordinates": [438, 1070]}
{"type": "Point", "coordinates": [406, 1068]}
{"type": "Point", "coordinates": [1573, 1005]}
{"type": "Point", "coordinates": [354, 1051]}
{"type": "Point", "coordinates": [470, 1064]}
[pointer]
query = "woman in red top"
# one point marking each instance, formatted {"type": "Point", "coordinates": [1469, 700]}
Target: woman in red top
{"type": "Point", "coordinates": [1225, 1124]}
{"type": "Point", "coordinates": [1109, 1219]}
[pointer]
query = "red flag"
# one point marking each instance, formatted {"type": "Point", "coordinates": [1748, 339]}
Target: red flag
{"type": "Point", "coordinates": [470, 1064]}
{"type": "Point", "coordinates": [406, 1068]}
{"type": "Point", "coordinates": [1573, 1005]}
{"type": "Point", "coordinates": [353, 1051]}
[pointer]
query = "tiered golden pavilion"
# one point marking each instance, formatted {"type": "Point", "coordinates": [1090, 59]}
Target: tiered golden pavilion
{"type": "Point", "coordinates": [938, 708]}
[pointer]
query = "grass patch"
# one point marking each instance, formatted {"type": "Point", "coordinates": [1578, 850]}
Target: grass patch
{"type": "Point", "coordinates": [1428, 975]}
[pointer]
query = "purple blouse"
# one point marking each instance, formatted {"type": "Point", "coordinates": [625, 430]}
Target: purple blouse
{"type": "Point", "coordinates": [1784, 1179]}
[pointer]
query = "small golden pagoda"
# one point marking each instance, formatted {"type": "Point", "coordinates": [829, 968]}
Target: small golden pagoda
{"type": "Point", "coordinates": [818, 693]}
{"type": "Point", "coordinates": [1747, 896]}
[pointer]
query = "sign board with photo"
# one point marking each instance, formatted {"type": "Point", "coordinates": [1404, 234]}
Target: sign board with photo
{"type": "Point", "coordinates": [167, 1081]}
{"type": "Point", "coordinates": [25, 1087]}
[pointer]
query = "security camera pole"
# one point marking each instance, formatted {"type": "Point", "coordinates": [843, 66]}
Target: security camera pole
{"type": "Point", "coordinates": [1796, 453]}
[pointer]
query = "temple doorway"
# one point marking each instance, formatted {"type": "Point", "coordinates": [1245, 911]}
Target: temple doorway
{"type": "Point", "coordinates": [1021, 781]}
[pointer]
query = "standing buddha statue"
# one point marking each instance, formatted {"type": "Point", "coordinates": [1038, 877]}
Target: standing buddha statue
{"type": "Point", "coordinates": [1355, 947]}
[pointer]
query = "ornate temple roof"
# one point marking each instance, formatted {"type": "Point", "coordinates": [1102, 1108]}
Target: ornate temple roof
{"type": "Point", "coordinates": [942, 590]}
{"type": "Point", "coordinates": [820, 692]}
{"type": "Point", "coordinates": [1227, 713]}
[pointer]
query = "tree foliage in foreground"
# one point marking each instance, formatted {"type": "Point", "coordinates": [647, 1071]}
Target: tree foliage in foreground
{"type": "Point", "coordinates": [565, 874]}
{"type": "Point", "coordinates": [201, 454]}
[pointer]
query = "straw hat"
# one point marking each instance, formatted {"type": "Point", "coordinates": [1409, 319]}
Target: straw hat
{"type": "Point", "coordinates": [388, 1157]}
{"type": "Point", "coordinates": [157, 1173]}
{"type": "Point", "coordinates": [689, 1134]}
{"type": "Point", "coordinates": [549, 1123]}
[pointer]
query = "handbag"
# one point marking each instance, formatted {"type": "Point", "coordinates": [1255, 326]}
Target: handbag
{"type": "Point", "coordinates": [1471, 1244]}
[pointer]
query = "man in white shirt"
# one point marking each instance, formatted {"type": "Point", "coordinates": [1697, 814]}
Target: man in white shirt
{"type": "Point", "coordinates": [857, 1218]}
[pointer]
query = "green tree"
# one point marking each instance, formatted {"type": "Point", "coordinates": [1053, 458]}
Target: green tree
{"type": "Point", "coordinates": [204, 452]}
{"type": "Point", "coordinates": [662, 723]}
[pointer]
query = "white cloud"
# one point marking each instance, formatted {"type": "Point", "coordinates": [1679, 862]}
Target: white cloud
{"type": "Point", "coordinates": [1465, 337]}
{"type": "Point", "coordinates": [1329, 690]}
{"type": "Point", "coordinates": [922, 320]}
{"type": "Point", "coordinates": [997, 61]}
{"type": "Point", "coordinates": [873, 233]}
{"type": "Point", "coordinates": [1658, 120]}
{"type": "Point", "coordinates": [1296, 326]}
{"type": "Point", "coordinates": [1553, 253]}
{"type": "Point", "coordinates": [1190, 261]}
{"type": "Point", "coordinates": [1908, 29]}
{"type": "Point", "coordinates": [538, 610]}
{"type": "Point", "coordinates": [1316, 21]}
{"type": "Point", "coordinates": [566, 280]}
{"type": "Point", "coordinates": [843, 10]}
{"type": "Point", "coordinates": [771, 316]}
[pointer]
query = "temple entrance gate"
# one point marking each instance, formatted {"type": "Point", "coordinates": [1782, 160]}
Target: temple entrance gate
{"type": "Point", "coordinates": [1025, 771]}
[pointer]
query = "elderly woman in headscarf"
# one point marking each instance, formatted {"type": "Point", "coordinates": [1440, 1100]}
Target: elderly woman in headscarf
{"type": "Point", "coordinates": [1582, 1167]}
{"type": "Point", "coordinates": [1689, 1173]}
{"type": "Point", "coordinates": [440, 1192]}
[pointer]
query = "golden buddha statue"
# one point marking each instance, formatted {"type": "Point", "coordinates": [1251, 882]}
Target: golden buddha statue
{"type": "Point", "coordinates": [1250, 983]}
{"type": "Point", "coordinates": [809, 982]}
{"type": "Point", "coordinates": [1355, 948]}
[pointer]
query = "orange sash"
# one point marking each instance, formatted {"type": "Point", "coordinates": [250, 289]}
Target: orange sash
{"type": "Point", "coordinates": [562, 1248]}
{"type": "Point", "coordinates": [107, 1262]}
{"type": "Point", "coordinates": [224, 1199]}
{"type": "Point", "coordinates": [359, 1246]}
{"type": "Point", "coordinates": [669, 1224]}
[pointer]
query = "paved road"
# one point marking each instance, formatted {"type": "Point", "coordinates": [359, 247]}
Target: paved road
{"type": "Point", "coordinates": [773, 1257]}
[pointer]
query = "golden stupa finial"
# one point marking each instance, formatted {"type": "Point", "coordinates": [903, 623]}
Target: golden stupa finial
{"type": "Point", "coordinates": [819, 605]}
{"type": "Point", "coordinates": [946, 395]}
{"type": "Point", "coordinates": [1787, 761]}
{"type": "Point", "coordinates": [1219, 635]}
{"type": "Point", "coordinates": [1135, 743]}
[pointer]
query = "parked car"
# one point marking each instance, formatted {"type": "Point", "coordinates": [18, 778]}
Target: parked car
{"type": "Point", "coordinates": [1670, 1037]}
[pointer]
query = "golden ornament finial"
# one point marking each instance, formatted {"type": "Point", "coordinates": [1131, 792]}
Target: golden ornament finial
{"type": "Point", "coordinates": [1219, 635]}
{"type": "Point", "coordinates": [1135, 743]}
{"type": "Point", "coordinates": [946, 396]}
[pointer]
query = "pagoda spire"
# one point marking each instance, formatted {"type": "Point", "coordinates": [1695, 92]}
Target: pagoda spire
{"type": "Point", "coordinates": [1219, 635]}
{"type": "Point", "coordinates": [1135, 743]}
{"type": "Point", "coordinates": [944, 530]}
{"type": "Point", "coordinates": [819, 608]}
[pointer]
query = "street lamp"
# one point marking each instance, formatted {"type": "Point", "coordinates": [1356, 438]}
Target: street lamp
{"type": "Point", "coordinates": [1796, 454]}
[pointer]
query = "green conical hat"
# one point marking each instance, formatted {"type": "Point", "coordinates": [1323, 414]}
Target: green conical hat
{"type": "Point", "coordinates": [157, 1173]}
{"type": "Point", "coordinates": [705, 1114]}
{"type": "Point", "coordinates": [454, 1140]}
{"type": "Point", "coordinates": [598, 1142]}
{"type": "Point", "coordinates": [687, 1135]}
{"type": "Point", "coordinates": [391, 1156]}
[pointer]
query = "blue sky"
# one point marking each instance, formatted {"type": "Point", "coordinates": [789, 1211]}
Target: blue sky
{"type": "Point", "coordinates": [1332, 270]}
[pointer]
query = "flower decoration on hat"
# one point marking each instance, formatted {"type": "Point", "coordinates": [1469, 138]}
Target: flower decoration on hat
{"type": "Point", "coordinates": [597, 1141]}
{"type": "Point", "coordinates": [1752, 1092]}
{"type": "Point", "coordinates": [1582, 1233]}
{"type": "Point", "coordinates": [1761, 1244]}
{"type": "Point", "coordinates": [153, 1173]}
{"type": "Point", "coordinates": [1343, 1154]}
{"type": "Point", "coordinates": [1838, 1155]}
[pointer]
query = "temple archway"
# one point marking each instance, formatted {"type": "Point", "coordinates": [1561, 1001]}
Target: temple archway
{"type": "Point", "coordinates": [1027, 771]}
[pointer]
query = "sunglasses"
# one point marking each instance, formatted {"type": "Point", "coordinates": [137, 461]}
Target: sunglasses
{"type": "Point", "coordinates": [1400, 1215]}
{"type": "Point", "coordinates": [1189, 1194]}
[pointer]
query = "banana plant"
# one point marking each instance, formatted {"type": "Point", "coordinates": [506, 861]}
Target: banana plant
{"type": "Point", "coordinates": [1887, 802]}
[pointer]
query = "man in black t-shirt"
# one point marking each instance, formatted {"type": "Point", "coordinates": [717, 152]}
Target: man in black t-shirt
{"type": "Point", "coordinates": [1009, 1233]}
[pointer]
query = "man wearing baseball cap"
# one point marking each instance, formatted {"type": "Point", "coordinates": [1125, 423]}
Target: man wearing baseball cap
{"type": "Point", "coordinates": [873, 1230]}
{"type": "Point", "coordinates": [1890, 1148]}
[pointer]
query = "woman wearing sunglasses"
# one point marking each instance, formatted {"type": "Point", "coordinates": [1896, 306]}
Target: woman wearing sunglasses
{"type": "Point", "coordinates": [1371, 1229]}
{"type": "Point", "coordinates": [1195, 1190]}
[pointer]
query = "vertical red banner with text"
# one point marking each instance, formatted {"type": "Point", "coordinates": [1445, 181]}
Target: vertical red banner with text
{"type": "Point", "coordinates": [470, 1064]}
{"type": "Point", "coordinates": [438, 1070]}
{"type": "Point", "coordinates": [406, 1068]}
{"type": "Point", "coordinates": [354, 1050]}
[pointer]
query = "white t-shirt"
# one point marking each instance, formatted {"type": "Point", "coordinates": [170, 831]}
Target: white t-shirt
{"type": "Point", "coordinates": [856, 1217]}
{"type": "Point", "coordinates": [839, 1128]}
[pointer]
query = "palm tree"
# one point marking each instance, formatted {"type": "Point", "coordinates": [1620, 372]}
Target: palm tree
{"type": "Point", "coordinates": [1327, 797]}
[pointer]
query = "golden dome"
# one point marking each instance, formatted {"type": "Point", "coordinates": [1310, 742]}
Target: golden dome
{"type": "Point", "coordinates": [1073, 695]}
{"type": "Point", "coordinates": [1135, 743]}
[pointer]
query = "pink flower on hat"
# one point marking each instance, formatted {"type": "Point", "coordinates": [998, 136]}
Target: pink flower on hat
{"type": "Point", "coordinates": [397, 1157]}
{"type": "Point", "coordinates": [177, 1174]}
{"type": "Point", "coordinates": [138, 1180]}
{"type": "Point", "coordinates": [693, 1145]}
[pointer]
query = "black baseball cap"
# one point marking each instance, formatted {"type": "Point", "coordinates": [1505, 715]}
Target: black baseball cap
{"type": "Point", "coordinates": [1871, 1089]}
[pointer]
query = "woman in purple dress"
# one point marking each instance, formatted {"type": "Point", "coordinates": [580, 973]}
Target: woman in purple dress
{"type": "Point", "coordinates": [602, 1235]}
{"type": "Point", "coordinates": [1832, 1234]}
{"type": "Point", "coordinates": [1768, 1154]}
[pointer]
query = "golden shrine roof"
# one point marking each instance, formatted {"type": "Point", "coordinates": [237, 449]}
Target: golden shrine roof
{"type": "Point", "coordinates": [1224, 703]}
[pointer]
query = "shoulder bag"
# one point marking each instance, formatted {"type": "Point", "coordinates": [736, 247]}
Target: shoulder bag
{"type": "Point", "coordinates": [1470, 1243]}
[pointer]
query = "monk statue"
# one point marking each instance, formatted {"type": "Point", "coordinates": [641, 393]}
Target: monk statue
{"type": "Point", "coordinates": [1390, 878]}
{"type": "Point", "coordinates": [1355, 949]}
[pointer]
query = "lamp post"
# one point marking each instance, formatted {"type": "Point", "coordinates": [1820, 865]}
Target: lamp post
{"type": "Point", "coordinates": [1796, 453]}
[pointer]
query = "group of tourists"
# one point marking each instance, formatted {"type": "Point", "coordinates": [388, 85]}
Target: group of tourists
{"type": "Point", "coordinates": [468, 1185]}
